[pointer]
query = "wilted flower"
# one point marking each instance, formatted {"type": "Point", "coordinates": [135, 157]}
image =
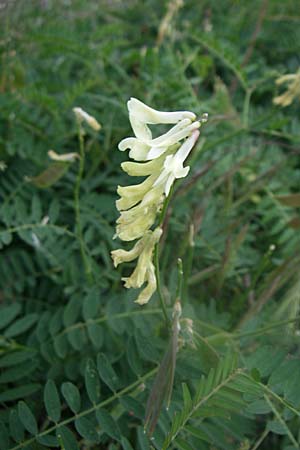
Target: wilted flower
{"type": "Point", "coordinates": [161, 161]}
{"type": "Point", "coordinates": [65, 157]}
{"type": "Point", "coordinates": [293, 89]}
{"type": "Point", "coordinates": [83, 116]}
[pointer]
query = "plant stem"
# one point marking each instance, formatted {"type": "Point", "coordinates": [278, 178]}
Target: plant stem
{"type": "Point", "coordinates": [156, 260]}
{"type": "Point", "coordinates": [85, 260]}
{"type": "Point", "coordinates": [159, 289]}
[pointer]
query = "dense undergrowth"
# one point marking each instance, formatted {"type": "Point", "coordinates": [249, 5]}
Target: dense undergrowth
{"type": "Point", "coordinates": [78, 357]}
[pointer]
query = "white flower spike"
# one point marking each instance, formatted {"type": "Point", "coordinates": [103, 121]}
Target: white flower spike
{"type": "Point", "coordinates": [161, 161]}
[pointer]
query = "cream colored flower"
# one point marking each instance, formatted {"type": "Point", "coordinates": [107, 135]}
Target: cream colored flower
{"type": "Point", "coordinates": [173, 165]}
{"type": "Point", "coordinates": [144, 271]}
{"type": "Point", "coordinates": [83, 116]}
{"type": "Point", "coordinates": [293, 89]}
{"type": "Point", "coordinates": [65, 157]}
{"type": "Point", "coordinates": [161, 161]}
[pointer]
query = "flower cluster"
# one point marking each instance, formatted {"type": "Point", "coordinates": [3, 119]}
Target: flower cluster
{"type": "Point", "coordinates": [161, 161]}
{"type": "Point", "coordinates": [293, 89]}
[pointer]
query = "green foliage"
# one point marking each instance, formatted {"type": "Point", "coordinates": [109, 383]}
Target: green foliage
{"type": "Point", "coordinates": [78, 358]}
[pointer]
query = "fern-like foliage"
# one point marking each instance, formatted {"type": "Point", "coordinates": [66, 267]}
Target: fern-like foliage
{"type": "Point", "coordinates": [218, 394]}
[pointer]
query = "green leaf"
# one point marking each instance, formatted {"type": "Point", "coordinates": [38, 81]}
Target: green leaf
{"type": "Point", "coordinates": [145, 347]}
{"type": "Point", "coordinates": [76, 338]}
{"type": "Point", "coordinates": [19, 372]}
{"type": "Point", "coordinates": [276, 427]}
{"type": "Point", "coordinates": [92, 382]}
{"type": "Point", "coordinates": [108, 425]}
{"type": "Point", "coordinates": [143, 439]}
{"type": "Point", "coordinates": [27, 418]}
{"type": "Point", "coordinates": [67, 438]}
{"type": "Point", "coordinates": [126, 444]}
{"type": "Point", "coordinates": [197, 433]}
{"type": "Point", "coordinates": [14, 358]}
{"type": "Point", "coordinates": [8, 313]}
{"type": "Point", "coordinates": [259, 407]}
{"type": "Point", "coordinates": [133, 357]}
{"type": "Point", "coordinates": [71, 311]}
{"type": "Point", "coordinates": [96, 335]}
{"type": "Point", "coordinates": [86, 429]}
{"type": "Point", "coordinates": [71, 395]}
{"type": "Point", "coordinates": [132, 406]}
{"type": "Point", "coordinates": [91, 304]}
{"type": "Point", "coordinates": [19, 392]}
{"type": "Point", "coordinates": [48, 440]}
{"type": "Point", "coordinates": [187, 400]}
{"type": "Point", "coordinates": [52, 401]}
{"type": "Point", "coordinates": [51, 175]}
{"type": "Point", "coordinates": [21, 325]}
{"type": "Point", "coordinates": [15, 426]}
{"type": "Point", "coordinates": [106, 372]}
{"type": "Point", "coordinates": [4, 437]}
{"type": "Point", "coordinates": [183, 445]}
{"type": "Point", "coordinates": [6, 237]}
{"type": "Point", "coordinates": [61, 345]}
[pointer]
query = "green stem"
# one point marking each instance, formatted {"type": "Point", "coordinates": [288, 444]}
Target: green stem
{"type": "Point", "coordinates": [89, 410]}
{"type": "Point", "coordinates": [87, 266]}
{"type": "Point", "coordinates": [156, 260]}
{"type": "Point", "coordinates": [158, 283]}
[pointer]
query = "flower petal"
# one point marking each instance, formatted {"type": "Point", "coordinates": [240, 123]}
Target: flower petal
{"type": "Point", "coordinates": [152, 116]}
{"type": "Point", "coordinates": [140, 129]}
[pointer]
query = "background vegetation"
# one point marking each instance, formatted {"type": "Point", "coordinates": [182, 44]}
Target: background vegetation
{"type": "Point", "coordinates": [78, 357]}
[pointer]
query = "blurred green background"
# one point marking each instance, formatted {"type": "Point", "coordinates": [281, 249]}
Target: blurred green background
{"type": "Point", "coordinates": [220, 57]}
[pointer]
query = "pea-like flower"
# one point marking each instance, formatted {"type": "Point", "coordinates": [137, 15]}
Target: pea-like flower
{"type": "Point", "coordinates": [293, 89]}
{"type": "Point", "coordinates": [161, 161]}
{"type": "Point", "coordinates": [144, 271]}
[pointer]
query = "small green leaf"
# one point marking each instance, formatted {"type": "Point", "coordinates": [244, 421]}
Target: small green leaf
{"type": "Point", "coordinates": [4, 437]}
{"type": "Point", "coordinates": [48, 440]}
{"type": "Point", "coordinates": [52, 401]}
{"type": "Point", "coordinates": [8, 313]}
{"type": "Point", "coordinates": [16, 373]}
{"type": "Point", "coordinates": [21, 325]}
{"type": "Point", "coordinates": [106, 372]}
{"type": "Point", "coordinates": [91, 304]}
{"type": "Point", "coordinates": [71, 311]}
{"type": "Point", "coordinates": [27, 418]}
{"type": "Point", "coordinates": [183, 445]}
{"type": "Point", "coordinates": [126, 444]}
{"type": "Point", "coordinates": [145, 347]}
{"type": "Point", "coordinates": [5, 237]}
{"type": "Point", "coordinates": [259, 407]}
{"type": "Point", "coordinates": [133, 357]}
{"type": "Point", "coordinates": [86, 429]}
{"type": "Point", "coordinates": [71, 395]}
{"type": "Point", "coordinates": [108, 425]}
{"type": "Point", "coordinates": [15, 426]}
{"type": "Point", "coordinates": [76, 338]}
{"type": "Point", "coordinates": [14, 358]}
{"type": "Point", "coordinates": [276, 427]}
{"type": "Point", "coordinates": [132, 406]}
{"type": "Point", "coordinates": [61, 345]}
{"type": "Point", "coordinates": [92, 382]}
{"type": "Point", "coordinates": [67, 438]}
{"type": "Point", "coordinates": [187, 400]}
{"type": "Point", "coordinates": [95, 333]}
{"type": "Point", "coordinates": [19, 392]}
